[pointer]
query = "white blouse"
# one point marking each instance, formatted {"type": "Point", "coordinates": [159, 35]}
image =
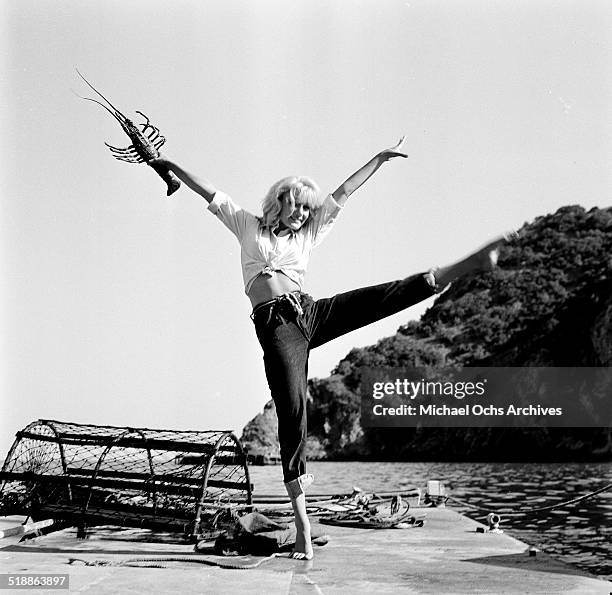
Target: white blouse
{"type": "Point", "coordinates": [262, 252]}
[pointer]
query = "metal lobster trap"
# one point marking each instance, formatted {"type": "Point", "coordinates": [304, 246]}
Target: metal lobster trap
{"type": "Point", "coordinates": [165, 480]}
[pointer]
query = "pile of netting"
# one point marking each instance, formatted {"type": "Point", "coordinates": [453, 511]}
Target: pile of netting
{"type": "Point", "coordinates": [165, 480]}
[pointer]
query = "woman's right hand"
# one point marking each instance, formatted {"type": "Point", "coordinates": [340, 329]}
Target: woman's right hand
{"type": "Point", "coordinates": [394, 151]}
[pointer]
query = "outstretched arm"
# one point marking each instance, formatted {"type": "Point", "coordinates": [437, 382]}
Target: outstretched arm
{"type": "Point", "coordinates": [203, 187]}
{"type": "Point", "coordinates": [364, 173]}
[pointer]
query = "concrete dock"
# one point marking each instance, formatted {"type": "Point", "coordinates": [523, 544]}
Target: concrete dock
{"type": "Point", "coordinates": [447, 555]}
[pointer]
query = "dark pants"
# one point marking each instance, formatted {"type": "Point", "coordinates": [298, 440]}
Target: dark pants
{"type": "Point", "coordinates": [288, 329]}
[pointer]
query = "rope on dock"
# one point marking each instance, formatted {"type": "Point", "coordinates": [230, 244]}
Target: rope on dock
{"type": "Point", "coordinates": [533, 510]}
{"type": "Point", "coordinates": [156, 562]}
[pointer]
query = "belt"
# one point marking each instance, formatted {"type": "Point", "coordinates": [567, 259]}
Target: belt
{"type": "Point", "coordinates": [291, 299]}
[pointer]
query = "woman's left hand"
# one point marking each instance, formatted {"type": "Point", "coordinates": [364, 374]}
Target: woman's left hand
{"type": "Point", "coordinates": [394, 151]}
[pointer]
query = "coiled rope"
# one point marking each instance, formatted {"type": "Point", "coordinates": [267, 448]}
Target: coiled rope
{"type": "Point", "coordinates": [532, 510]}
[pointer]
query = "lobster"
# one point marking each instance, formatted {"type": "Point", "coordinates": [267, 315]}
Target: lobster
{"type": "Point", "coordinates": [146, 141]}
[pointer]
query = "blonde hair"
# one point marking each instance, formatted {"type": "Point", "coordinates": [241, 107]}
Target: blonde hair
{"type": "Point", "coordinates": [302, 190]}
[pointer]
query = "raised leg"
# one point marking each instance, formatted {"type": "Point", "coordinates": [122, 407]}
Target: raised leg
{"type": "Point", "coordinates": [346, 312]}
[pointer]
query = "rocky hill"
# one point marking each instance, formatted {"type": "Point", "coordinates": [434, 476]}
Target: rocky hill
{"type": "Point", "coordinates": [549, 303]}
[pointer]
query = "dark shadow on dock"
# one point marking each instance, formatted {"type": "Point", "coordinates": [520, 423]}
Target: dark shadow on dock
{"type": "Point", "coordinates": [539, 563]}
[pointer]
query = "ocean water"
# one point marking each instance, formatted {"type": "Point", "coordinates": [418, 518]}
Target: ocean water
{"type": "Point", "coordinates": [579, 534]}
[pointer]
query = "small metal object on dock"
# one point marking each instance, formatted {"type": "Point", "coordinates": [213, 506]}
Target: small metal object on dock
{"type": "Point", "coordinates": [493, 520]}
{"type": "Point", "coordinates": [435, 494]}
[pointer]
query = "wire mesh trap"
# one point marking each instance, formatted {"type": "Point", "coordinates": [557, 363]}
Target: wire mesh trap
{"type": "Point", "coordinates": [165, 480]}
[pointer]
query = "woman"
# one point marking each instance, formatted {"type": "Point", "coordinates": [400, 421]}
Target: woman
{"type": "Point", "coordinates": [274, 253]}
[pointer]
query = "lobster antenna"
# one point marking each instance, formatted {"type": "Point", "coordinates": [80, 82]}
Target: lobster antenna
{"type": "Point", "coordinates": [98, 92]}
{"type": "Point", "coordinates": [113, 114]}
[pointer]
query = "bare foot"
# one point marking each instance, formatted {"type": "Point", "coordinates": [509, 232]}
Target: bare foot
{"type": "Point", "coordinates": [483, 259]}
{"type": "Point", "coordinates": [303, 543]}
{"type": "Point", "coordinates": [295, 489]}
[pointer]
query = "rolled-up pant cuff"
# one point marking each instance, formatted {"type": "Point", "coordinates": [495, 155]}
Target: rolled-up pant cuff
{"type": "Point", "coordinates": [430, 277]}
{"type": "Point", "coordinates": [296, 487]}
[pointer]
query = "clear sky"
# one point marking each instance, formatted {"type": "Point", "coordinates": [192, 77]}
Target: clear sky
{"type": "Point", "coordinates": [121, 306]}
